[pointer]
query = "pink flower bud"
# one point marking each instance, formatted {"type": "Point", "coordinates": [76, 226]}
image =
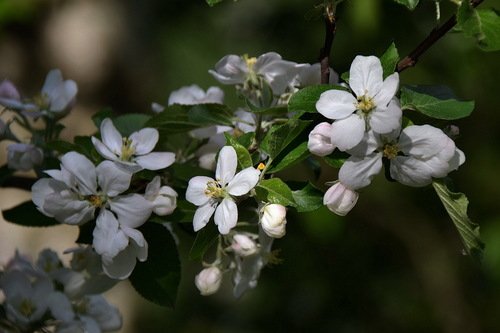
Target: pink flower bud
{"type": "Point", "coordinates": [273, 220]}
{"type": "Point", "coordinates": [208, 280]}
{"type": "Point", "coordinates": [339, 199]}
{"type": "Point", "coordinates": [319, 140]}
{"type": "Point", "coordinates": [243, 245]}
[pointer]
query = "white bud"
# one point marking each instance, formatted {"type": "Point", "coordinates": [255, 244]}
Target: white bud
{"type": "Point", "coordinates": [208, 280]}
{"type": "Point", "coordinates": [339, 199]}
{"type": "Point", "coordinates": [273, 220]}
{"type": "Point", "coordinates": [319, 140]}
{"type": "Point", "coordinates": [243, 245]}
{"type": "Point", "coordinates": [22, 156]}
{"type": "Point", "coordinates": [166, 201]}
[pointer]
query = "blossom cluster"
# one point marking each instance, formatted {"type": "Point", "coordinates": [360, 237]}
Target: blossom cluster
{"type": "Point", "coordinates": [48, 295]}
{"type": "Point", "coordinates": [367, 124]}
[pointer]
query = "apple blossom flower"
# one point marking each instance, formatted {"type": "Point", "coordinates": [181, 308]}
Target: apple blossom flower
{"type": "Point", "coordinates": [193, 94]}
{"type": "Point", "coordinates": [273, 220]}
{"type": "Point", "coordinates": [134, 152]}
{"type": "Point", "coordinates": [55, 99]}
{"type": "Point", "coordinates": [371, 107]}
{"type": "Point", "coordinates": [340, 199]}
{"type": "Point", "coordinates": [416, 155]}
{"type": "Point", "coordinates": [208, 280]}
{"type": "Point", "coordinates": [23, 156]}
{"type": "Point", "coordinates": [75, 192]}
{"type": "Point", "coordinates": [217, 195]}
{"type": "Point", "coordinates": [164, 198]}
{"type": "Point", "coordinates": [243, 245]}
{"type": "Point", "coordinates": [320, 142]}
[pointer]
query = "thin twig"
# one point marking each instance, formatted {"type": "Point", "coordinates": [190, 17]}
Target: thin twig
{"type": "Point", "coordinates": [411, 59]}
{"type": "Point", "coordinates": [324, 56]}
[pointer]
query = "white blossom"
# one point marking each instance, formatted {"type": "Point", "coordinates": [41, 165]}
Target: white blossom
{"type": "Point", "coordinates": [193, 94]}
{"type": "Point", "coordinates": [417, 154]}
{"type": "Point", "coordinates": [273, 220]}
{"type": "Point", "coordinates": [208, 280]}
{"type": "Point", "coordinates": [217, 195]}
{"type": "Point", "coordinates": [134, 152]}
{"type": "Point", "coordinates": [371, 107]}
{"type": "Point", "coordinates": [23, 156]}
{"type": "Point", "coordinates": [340, 199]}
{"type": "Point", "coordinates": [164, 198]}
{"type": "Point", "coordinates": [320, 142]}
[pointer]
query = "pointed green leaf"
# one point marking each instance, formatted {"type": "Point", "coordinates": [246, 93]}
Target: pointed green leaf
{"type": "Point", "coordinates": [274, 190]}
{"type": "Point", "coordinates": [296, 155]}
{"type": "Point", "coordinates": [131, 122]}
{"type": "Point", "coordinates": [244, 158]}
{"type": "Point", "coordinates": [280, 136]}
{"type": "Point", "coordinates": [481, 24]}
{"type": "Point", "coordinates": [390, 60]}
{"type": "Point", "coordinates": [27, 215]}
{"type": "Point", "coordinates": [447, 109]}
{"type": "Point", "coordinates": [456, 206]}
{"type": "Point", "coordinates": [157, 279]}
{"type": "Point", "coordinates": [308, 198]}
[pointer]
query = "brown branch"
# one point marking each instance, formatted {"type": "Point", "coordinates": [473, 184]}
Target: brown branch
{"type": "Point", "coordinates": [324, 56]}
{"type": "Point", "coordinates": [411, 59]}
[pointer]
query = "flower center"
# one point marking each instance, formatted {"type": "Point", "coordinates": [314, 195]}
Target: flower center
{"type": "Point", "coordinates": [250, 61]}
{"type": "Point", "coordinates": [365, 104]}
{"type": "Point", "coordinates": [42, 101]}
{"type": "Point", "coordinates": [128, 150]}
{"type": "Point", "coordinates": [215, 190]}
{"type": "Point", "coordinates": [96, 200]}
{"type": "Point", "coordinates": [391, 150]}
{"type": "Point", "coordinates": [27, 308]}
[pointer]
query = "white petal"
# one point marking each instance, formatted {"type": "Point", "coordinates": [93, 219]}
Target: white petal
{"type": "Point", "coordinates": [203, 215]}
{"type": "Point", "coordinates": [386, 120]}
{"type": "Point", "coordinates": [368, 145]}
{"type": "Point", "coordinates": [138, 242]}
{"type": "Point", "coordinates": [195, 192]}
{"type": "Point", "coordinates": [410, 171]}
{"type": "Point", "coordinates": [63, 96]}
{"type": "Point", "coordinates": [358, 172]}
{"type": "Point", "coordinates": [319, 142]}
{"type": "Point", "coordinates": [422, 141]}
{"type": "Point", "coordinates": [243, 181]}
{"type": "Point", "coordinates": [348, 132]}
{"type": "Point", "coordinates": [111, 137]}
{"type": "Point", "coordinates": [121, 265]}
{"type": "Point", "coordinates": [52, 81]}
{"type": "Point", "coordinates": [226, 165]}
{"type": "Point", "coordinates": [109, 240]}
{"type": "Point", "coordinates": [339, 199]}
{"type": "Point", "coordinates": [155, 160]}
{"type": "Point", "coordinates": [231, 69]}
{"type": "Point", "coordinates": [42, 188]}
{"type": "Point", "coordinates": [83, 170]}
{"type": "Point", "coordinates": [365, 76]}
{"type": "Point", "coordinates": [132, 209]}
{"type": "Point", "coordinates": [60, 307]}
{"type": "Point", "coordinates": [112, 179]}
{"type": "Point", "coordinates": [103, 150]}
{"type": "Point", "coordinates": [226, 216]}
{"type": "Point", "coordinates": [336, 104]}
{"type": "Point", "coordinates": [387, 91]}
{"type": "Point", "coordinates": [144, 140]}
{"type": "Point", "coordinates": [107, 316]}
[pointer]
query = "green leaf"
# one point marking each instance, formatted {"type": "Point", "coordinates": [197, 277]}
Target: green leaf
{"type": "Point", "coordinates": [274, 190]}
{"type": "Point", "coordinates": [5, 173]}
{"type": "Point", "coordinates": [183, 213]}
{"type": "Point", "coordinates": [410, 4]}
{"type": "Point", "coordinates": [296, 155]}
{"type": "Point", "coordinates": [244, 158]}
{"type": "Point", "coordinates": [481, 24]}
{"type": "Point", "coordinates": [27, 215]}
{"type": "Point", "coordinates": [205, 238]}
{"type": "Point", "coordinates": [308, 198]}
{"type": "Point", "coordinates": [336, 159]}
{"type": "Point", "coordinates": [210, 114]}
{"type": "Point", "coordinates": [305, 99]}
{"type": "Point", "coordinates": [280, 136]}
{"type": "Point", "coordinates": [102, 114]}
{"type": "Point", "coordinates": [157, 279]}
{"type": "Point", "coordinates": [390, 60]}
{"type": "Point", "coordinates": [131, 122]}
{"type": "Point", "coordinates": [447, 109]}
{"type": "Point", "coordinates": [456, 206]}
{"type": "Point", "coordinates": [274, 111]}
{"type": "Point", "coordinates": [182, 173]}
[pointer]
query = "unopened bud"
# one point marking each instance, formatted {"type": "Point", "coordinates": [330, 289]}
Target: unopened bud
{"type": "Point", "coordinates": [273, 220]}
{"type": "Point", "coordinates": [208, 280]}
{"type": "Point", "coordinates": [243, 245]}
{"type": "Point", "coordinates": [339, 199]}
{"type": "Point", "coordinates": [319, 140]}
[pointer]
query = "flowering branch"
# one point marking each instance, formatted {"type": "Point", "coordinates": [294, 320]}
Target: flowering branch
{"type": "Point", "coordinates": [411, 59]}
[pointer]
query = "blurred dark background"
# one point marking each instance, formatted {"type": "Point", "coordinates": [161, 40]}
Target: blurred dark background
{"type": "Point", "coordinates": [395, 263]}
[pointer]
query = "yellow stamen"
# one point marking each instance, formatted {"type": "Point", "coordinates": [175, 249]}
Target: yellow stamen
{"type": "Point", "coordinates": [365, 104]}
{"type": "Point", "coordinates": [128, 150]}
{"type": "Point", "coordinates": [390, 151]}
{"type": "Point", "coordinates": [215, 190]}
{"type": "Point", "coordinates": [261, 166]}
{"type": "Point", "coordinates": [42, 101]}
{"type": "Point", "coordinates": [96, 200]}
